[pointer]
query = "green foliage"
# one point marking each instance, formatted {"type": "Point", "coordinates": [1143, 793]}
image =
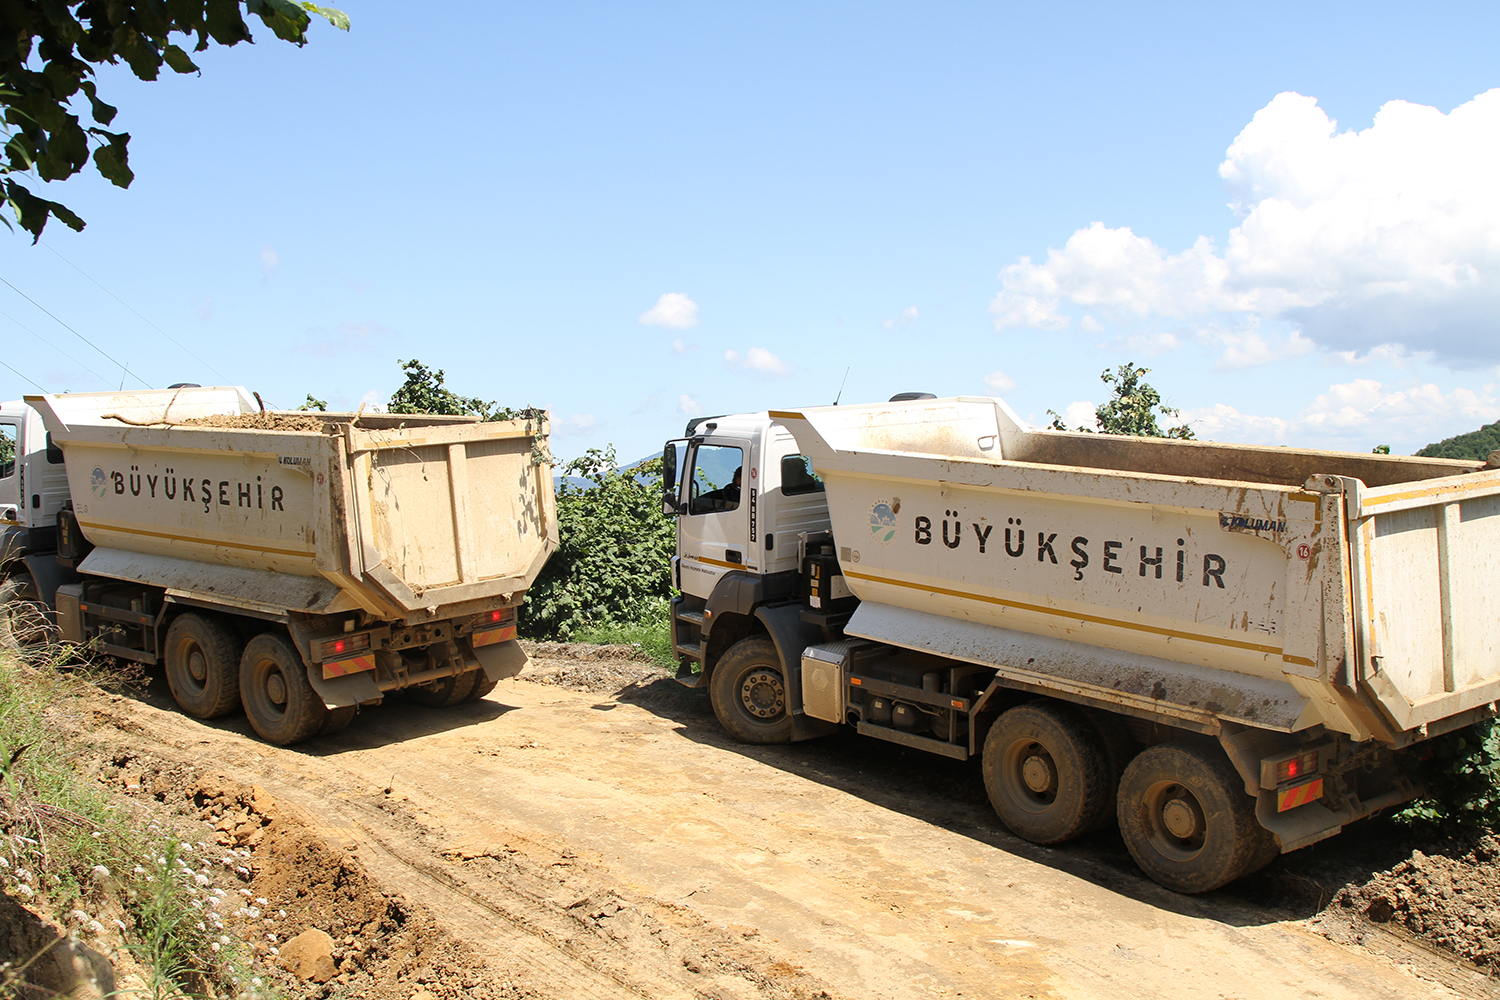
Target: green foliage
{"type": "Point", "coordinates": [424, 392]}
{"type": "Point", "coordinates": [49, 55]}
{"type": "Point", "coordinates": [1462, 776]}
{"type": "Point", "coordinates": [1132, 408]}
{"type": "Point", "coordinates": [615, 548]}
{"type": "Point", "coordinates": [1475, 445]}
{"type": "Point", "coordinates": [1381, 449]}
{"type": "Point", "coordinates": [314, 403]}
{"type": "Point", "coordinates": [650, 632]}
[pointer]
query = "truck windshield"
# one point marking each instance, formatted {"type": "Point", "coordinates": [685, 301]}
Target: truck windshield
{"type": "Point", "coordinates": [715, 485]}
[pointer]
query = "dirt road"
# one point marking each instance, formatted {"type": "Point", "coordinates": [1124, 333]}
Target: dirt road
{"type": "Point", "coordinates": [619, 845]}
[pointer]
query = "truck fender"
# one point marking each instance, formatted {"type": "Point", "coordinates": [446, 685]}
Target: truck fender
{"type": "Point", "coordinates": [342, 692]}
{"type": "Point", "coordinates": [502, 659]}
{"type": "Point", "coordinates": [49, 576]}
{"type": "Point", "coordinates": [792, 635]}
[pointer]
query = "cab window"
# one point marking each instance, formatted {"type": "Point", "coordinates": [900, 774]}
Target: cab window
{"type": "Point", "coordinates": [797, 476]}
{"type": "Point", "coordinates": [7, 450]}
{"type": "Point", "coordinates": [715, 482]}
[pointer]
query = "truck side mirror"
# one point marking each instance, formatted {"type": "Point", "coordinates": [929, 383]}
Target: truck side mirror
{"type": "Point", "coordinates": [669, 503]}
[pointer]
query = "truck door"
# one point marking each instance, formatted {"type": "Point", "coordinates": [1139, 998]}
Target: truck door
{"type": "Point", "coordinates": [712, 533]}
{"type": "Point", "coordinates": [10, 471]}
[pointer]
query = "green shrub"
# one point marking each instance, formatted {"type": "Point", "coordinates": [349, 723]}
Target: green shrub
{"type": "Point", "coordinates": [650, 632]}
{"type": "Point", "coordinates": [615, 548]}
{"type": "Point", "coordinates": [1462, 775]}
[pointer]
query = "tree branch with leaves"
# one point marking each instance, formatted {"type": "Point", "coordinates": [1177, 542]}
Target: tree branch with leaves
{"type": "Point", "coordinates": [1132, 408]}
{"type": "Point", "coordinates": [49, 50]}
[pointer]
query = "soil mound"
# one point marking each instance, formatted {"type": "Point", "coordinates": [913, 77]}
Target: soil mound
{"type": "Point", "coordinates": [270, 420]}
{"type": "Point", "coordinates": [594, 669]}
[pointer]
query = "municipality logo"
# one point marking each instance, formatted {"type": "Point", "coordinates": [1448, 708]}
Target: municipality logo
{"type": "Point", "coordinates": [883, 519]}
{"type": "Point", "coordinates": [97, 481]}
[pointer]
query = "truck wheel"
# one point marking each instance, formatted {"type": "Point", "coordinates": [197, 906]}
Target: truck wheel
{"type": "Point", "coordinates": [748, 692]}
{"type": "Point", "coordinates": [444, 691]}
{"type": "Point", "coordinates": [203, 666]}
{"type": "Point", "coordinates": [1118, 748]}
{"type": "Point", "coordinates": [280, 703]}
{"type": "Point", "coordinates": [1046, 772]}
{"type": "Point", "coordinates": [1186, 819]}
{"type": "Point", "coordinates": [338, 720]}
{"type": "Point", "coordinates": [482, 685]}
{"type": "Point", "coordinates": [23, 621]}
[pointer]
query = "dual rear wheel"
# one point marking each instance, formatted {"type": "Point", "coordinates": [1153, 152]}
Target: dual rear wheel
{"type": "Point", "coordinates": [1052, 773]}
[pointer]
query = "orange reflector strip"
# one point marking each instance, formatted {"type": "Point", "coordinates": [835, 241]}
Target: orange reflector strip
{"type": "Point", "coordinates": [855, 680]}
{"type": "Point", "coordinates": [355, 666]}
{"type": "Point", "coordinates": [1299, 795]}
{"type": "Point", "coordinates": [494, 635]}
{"type": "Point", "coordinates": [956, 704]}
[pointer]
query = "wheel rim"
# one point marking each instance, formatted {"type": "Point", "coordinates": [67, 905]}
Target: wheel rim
{"type": "Point", "coordinates": [1175, 824]}
{"type": "Point", "coordinates": [763, 694]}
{"type": "Point", "coordinates": [273, 685]}
{"type": "Point", "coordinates": [1030, 775]}
{"type": "Point", "coordinates": [194, 674]}
{"type": "Point", "coordinates": [197, 665]}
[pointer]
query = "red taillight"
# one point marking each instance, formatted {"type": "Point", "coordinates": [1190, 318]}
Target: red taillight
{"type": "Point", "coordinates": [1295, 767]}
{"type": "Point", "coordinates": [349, 645]}
{"type": "Point", "coordinates": [495, 616]}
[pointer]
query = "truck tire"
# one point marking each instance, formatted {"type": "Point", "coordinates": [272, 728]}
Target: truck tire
{"type": "Point", "coordinates": [1046, 772]}
{"type": "Point", "coordinates": [1118, 748]}
{"type": "Point", "coordinates": [748, 693]}
{"type": "Point", "coordinates": [23, 621]}
{"type": "Point", "coordinates": [202, 658]}
{"type": "Point", "coordinates": [338, 720]}
{"type": "Point", "coordinates": [279, 702]}
{"type": "Point", "coordinates": [1186, 819]}
{"type": "Point", "coordinates": [443, 692]}
{"type": "Point", "coordinates": [483, 685]}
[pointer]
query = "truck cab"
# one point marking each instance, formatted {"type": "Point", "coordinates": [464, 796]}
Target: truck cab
{"type": "Point", "coordinates": [33, 488]}
{"type": "Point", "coordinates": [748, 506]}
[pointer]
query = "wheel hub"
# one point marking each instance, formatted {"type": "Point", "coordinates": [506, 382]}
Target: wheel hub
{"type": "Point", "coordinates": [197, 665]}
{"type": "Point", "coordinates": [763, 694]}
{"type": "Point", "coordinates": [1181, 818]}
{"type": "Point", "coordinates": [1039, 773]}
{"type": "Point", "coordinates": [276, 689]}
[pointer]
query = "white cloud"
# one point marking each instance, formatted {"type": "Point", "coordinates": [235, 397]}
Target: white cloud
{"type": "Point", "coordinates": [1079, 414]}
{"type": "Point", "coordinates": [269, 260]}
{"type": "Point", "coordinates": [758, 360]}
{"type": "Point", "coordinates": [575, 425]}
{"type": "Point", "coordinates": [372, 401]}
{"type": "Point", "coordinates": [1355, 415]}
{"type": "Point", "coordinates": [908, 316]}
{"type": "Point", "coordinates": [674, 311]}
{"type": "Point", "coordinates": [1090, 325]}
{"type": "Point", "coordinates": [1381, 236]}
{"type": "Point", "coordinates": [1246, 346]}
{"type": "Point", "coordinates": [681, 348]}
{"type": "Point", "coordinates": [1145, 344]}
{"type": "Point", "coordinates": [999, 381]}
{"type": "Point", "coordinates": [688, 406]}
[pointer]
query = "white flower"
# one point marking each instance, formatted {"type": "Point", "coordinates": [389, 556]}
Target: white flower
{"type": "Point", "coordinates": [214, 945]}
{"type": "Point", "coordinates": [95, 927]}
{"type": "Point", "coordinates": [196, 903]}
{"type": "Point", "coordinates": [253, 912]}
{"type": "Point", "coordinates": [97, 835]}
{"type": "Point", "coordinates": [218, 892]}
{"type": "Point", "coordinates": [281, 913]}
{"type": "Point", "coordinates": [201, 926]}
{"type": "Point", "coordinates": [23, 874]}
{"type": "Point", "coordinates": [137, 870]}
{"type": "Point", "coordinates": [223, 938]}
{"type": "Point", "coordinates": [101, 872]}
{"type": "Point", "coordinates": [213, 901]}
{"type": "Point", "coordinates": [24, 891]}
{"type": "Point", "coordinates": [79, 916]}
{"type": "Point", "coordinates": [273, 950]}
{"type": "Point", "coordinates": [261, 901]}
{"type": "Point", "coordinates": [120, 924]}
{"type": "Point", "coordinates": [244, 892]}
{"type": "Point", "coordinates": [186, 846]}
{"type": "Point", "coordinates": [255, 983]}
{"type": "Point", "coordinates": [271, 938]}
{"type": "Point", "coordinates": [242, 870]}
{"type": "Point", "coordinates": [201, 879]}
{"type": "Point", "coordinates": [3, 862]}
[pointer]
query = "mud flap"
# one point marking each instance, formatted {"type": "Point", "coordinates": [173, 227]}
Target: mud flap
{"type": "Point", "coordinates": [792, 635]}
{"type": "Point", "coordinates": [502, 659]}
{"type": "Point", "coordinates": [342, 692]}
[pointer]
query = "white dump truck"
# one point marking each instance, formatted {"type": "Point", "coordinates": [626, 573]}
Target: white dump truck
{"type": "Point", "coordinates": [1231, 651]}
{"type": "Point", "coordinates": [296, 564]}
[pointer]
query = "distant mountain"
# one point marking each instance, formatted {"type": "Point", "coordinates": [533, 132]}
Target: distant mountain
{"type": "Point", "coordinates": [580, 483]}
{"type": "Point", "coordinates": [1475, 445]}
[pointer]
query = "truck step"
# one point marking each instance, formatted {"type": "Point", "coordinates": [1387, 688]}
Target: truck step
{"type": "Point", "coordinates": [687, 678]}
{"type": "Point", "coordinates": [693, 617]}
{"type": "Point", "coordinates": [694, 650]}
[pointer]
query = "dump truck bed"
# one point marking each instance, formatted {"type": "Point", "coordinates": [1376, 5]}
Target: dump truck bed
{"type": "Point", "coordinates": [403, 516]}
{"type": "Point", "coordinates": [1280, 588]}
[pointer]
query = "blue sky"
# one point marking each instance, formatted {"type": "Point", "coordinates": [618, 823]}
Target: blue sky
{"type": "Point", "coordinates": [909, 192]}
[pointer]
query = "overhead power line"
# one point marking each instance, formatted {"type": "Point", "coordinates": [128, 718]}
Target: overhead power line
{"type": "Point", "coordinates": [25, 378]}
{"type": "Point", "coordinates": [74, 332]}
{"type": "Point", "coordinates": [59, 350]}
{"type": "Point", "coordinates": [224, 379]}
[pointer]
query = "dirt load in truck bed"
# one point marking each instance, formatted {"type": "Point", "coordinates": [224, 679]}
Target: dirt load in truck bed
{"type": "Point", "coordinates": [599, 836]}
